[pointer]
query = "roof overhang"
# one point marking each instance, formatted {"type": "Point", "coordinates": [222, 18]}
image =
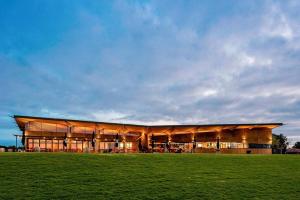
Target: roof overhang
{"type": "Point", "coordinates": [21, 121]}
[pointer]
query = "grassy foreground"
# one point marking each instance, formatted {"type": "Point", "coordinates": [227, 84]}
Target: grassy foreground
{"type": "Point", "coordinates": [148, 176]}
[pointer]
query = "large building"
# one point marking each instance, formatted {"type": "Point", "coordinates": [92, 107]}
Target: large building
{"type": "Point", "coordinates": [54, 135]}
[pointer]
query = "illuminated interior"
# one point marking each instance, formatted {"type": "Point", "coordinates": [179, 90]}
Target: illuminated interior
{"type": "Point", "coordinates": [53, 135]}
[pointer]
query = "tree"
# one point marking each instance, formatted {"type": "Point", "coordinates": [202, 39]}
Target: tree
{"type": "Point", "coordinates": [279, 142]}
{"type": "Point", "coordinates": [297, 145]}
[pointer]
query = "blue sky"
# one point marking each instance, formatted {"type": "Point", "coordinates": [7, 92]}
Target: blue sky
{"type": "Point", "coordinates": [151, 62]}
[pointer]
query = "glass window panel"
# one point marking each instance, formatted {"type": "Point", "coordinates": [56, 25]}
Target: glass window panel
{"type": "Point", "coordinates": [55, 145]}
{"type": "Point", "coordinates": [129, 145]}
{"type": "Point", "coordinates": [35, 142]}
{"type": "Point", "coordinates": [79, 145]}
{"type": "Point", "coordinates": [49, 144]}
{"type": "Point", "coordinates": [102, 145]}
{"type": "Point", "coordinates": [60, 144]}
{"type": "Point", "coordinates": [30, 143]}
{"type": "Point", "coordinates": [42, 144]}
{"type": "Point", "coordinates": [85, 144]}
{"type": "Point", "coordinates": [73, 145]}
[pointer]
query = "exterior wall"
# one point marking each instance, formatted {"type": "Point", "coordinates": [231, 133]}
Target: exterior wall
{"type": "Point", "coordinates": [79, 139]}
{"type": "Point", "coordinates": [160, 139]}
{"type": "Point", "coordinates": [234, 151]}
{"type": "Point", "coordinates": [232, 135]}
{"type": "Point", "coordinates": [246, 150]}
{"type": "Point", "coordinates": [259, 136]}
{"type": "Point", "coordinates": [205, 150]}
{"type": "Point", "coordinates": [182, 138]}
{"type": "Point", "coordinates": [206, 137]}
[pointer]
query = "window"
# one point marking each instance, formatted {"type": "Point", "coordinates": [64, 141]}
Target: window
{"type": "Point", "coordinates": [30, 143]}
{"type": "Point", "coordinates": [35, 142]}
{"type": "Point", "coordinates": [79, 145]}
{"type": "Point", "coordinates": [128, 145]}
{"type": "Point", "coordinates": [49, 144]}
{"type": "Point", "coordinates": [42, 144]}
{"type": "Point", "coordinates": [60, 144]}
{"type": "Point", "coordinates": [231, 145]}
{"type": "Point", "coordinates": [73, 145]}
{"type": "Point", "coordinates": [259, 146]}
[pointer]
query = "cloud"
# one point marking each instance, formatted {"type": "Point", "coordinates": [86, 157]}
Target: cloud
{"type": "Point", "coordinates": [156, 63]}
{"type": "Point", "coordinates": [276, 24]}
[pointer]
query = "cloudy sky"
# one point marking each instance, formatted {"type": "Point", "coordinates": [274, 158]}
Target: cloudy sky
{"type": "Point", "coordinates": [151, 62]}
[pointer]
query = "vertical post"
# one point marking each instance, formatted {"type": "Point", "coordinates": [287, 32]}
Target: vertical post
{"type": "Point", "coordinates": [152, 142]}
{"type": "Point", "coordinates": [76, 145]}
{"type": "Point", "coordinates": [142, 142]}
{"type": "Point", "coordinates": [218, 139]}
{"type": "Point", "coordinates": [193, 142]}
{"type": "Point", "coordinates": [169, 142]}
{"type": "Point", "coordinates": [94, 139]}
{"type": "Point", "coordinates": [24, 141]}
{"type": "Point", "coordinates": [146, 142]}
{"type": "Point", "coordinates": [16, 142]}
{"type": "Point", "coordinates": [116, 146]}
{"type": "Point", "coordinates": [124, 143]}
{"type": "Point", "coordinates": [244, 138]}
{"type": "Point", "coordinates": [97, 143]}
{"type": "Point", "coordinates": [69, 141]}
{"type": "Point", "coordinates": [148, 138]}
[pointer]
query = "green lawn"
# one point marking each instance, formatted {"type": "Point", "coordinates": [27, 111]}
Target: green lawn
{"type": "Point", "coordinates": [148, 176]}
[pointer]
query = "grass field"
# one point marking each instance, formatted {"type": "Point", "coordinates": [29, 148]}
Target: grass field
{"type": "Point", "coordinates": [148, 176]}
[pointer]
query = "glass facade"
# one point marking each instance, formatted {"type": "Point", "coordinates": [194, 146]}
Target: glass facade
{"type": "Point", "coordinates": [45, 144]}
{"type": "Point", "coordinates": [74, 145]}
{"type": "Point", "coordinates": [78, 137]}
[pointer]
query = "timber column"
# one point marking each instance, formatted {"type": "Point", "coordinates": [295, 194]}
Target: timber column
{"type": "Point", "coordinates": [244, 137]}
{"type": "Point", "coordinates": [24, 134]}
{"type": "Point", "coordinates": [144, 141]}
{"type": "Point", "coordinates": [219, 131]}
{"type": "Point", "coordinates": [98, 140]}
{"type": "Point", "coordinates": [69, 140]}
{"type": "Point", "coordinates": [24, 140]}
{"type": "Point", "coordinates": [169, 142]}
{"type": "Point", "coordinates": [193, 142]}
{"type": "Point", "coordinates": [124, 143]}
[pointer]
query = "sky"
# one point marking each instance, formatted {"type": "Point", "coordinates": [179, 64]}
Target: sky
{"type": "Point", "coordinates": [151, 62]}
